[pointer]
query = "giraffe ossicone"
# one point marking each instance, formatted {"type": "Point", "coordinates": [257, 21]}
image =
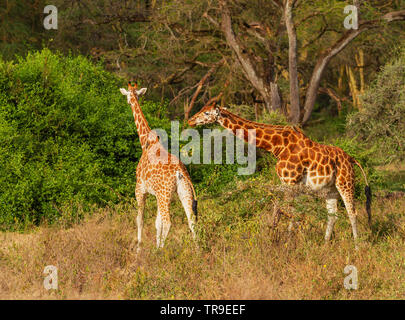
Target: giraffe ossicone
{"type": "Point", "coordinates": [300, 160]}
{"type": "Point", "coordinates": [157, 177]}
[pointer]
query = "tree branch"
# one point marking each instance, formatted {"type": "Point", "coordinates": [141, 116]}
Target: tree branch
{"type": "Point", "coordinates": [331, 93]}
{"type": "Point", "coordinates": [337, 47]}
{"type": "Point", "coordinates": [199, 87]}
{"type": "Point", "coordinates": [247, 65]}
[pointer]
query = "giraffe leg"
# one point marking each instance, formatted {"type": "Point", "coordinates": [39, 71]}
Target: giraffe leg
{"type": "Point", "coordinates": [162, 221]}
{"type": "Point", "coordinates": [331, 206]}
{"type": "Point", "coordinates": [165, 229]}
{"type": "Point", "coordinates": [347, 196]}
{"type": "Point", "coordinates": [186, 197]}
{"type": "Point", "coordinates": [140, 199]}
{"type": "Point", "coordinates": [158, 225]}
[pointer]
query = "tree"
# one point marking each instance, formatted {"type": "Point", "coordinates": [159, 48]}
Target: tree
{"type": "Point", "coordinates": [278, 54]}
{"type": "Point", "coordinates": [20, 26]}
{"type": "Point", "coordinates": [333, 50]}
{"type": "Point", "coordinates": [261, 30]}
{"type": "Point", "coordinates": [381, 121]}
{"type": "Point", "coordinates": [67, 138]}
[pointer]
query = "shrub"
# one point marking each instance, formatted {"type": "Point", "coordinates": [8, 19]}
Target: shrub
{"type": "Point", "coordinates": [213, 178]}
{"type": "Point", "coordinates": [67, 138]}
{"type": "Point", "coordinates": [381, 121]}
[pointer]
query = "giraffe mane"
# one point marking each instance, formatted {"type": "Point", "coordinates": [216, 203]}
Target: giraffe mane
{"type": "Point", "coordinates": [261, 125]}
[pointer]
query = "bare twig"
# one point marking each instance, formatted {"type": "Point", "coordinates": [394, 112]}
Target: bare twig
{"type": "Point", "coordinates": [199, 87]}
{"type": "Point", "coordinates": [216, 98]}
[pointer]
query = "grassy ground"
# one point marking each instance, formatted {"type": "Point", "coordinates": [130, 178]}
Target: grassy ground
{"type": "Point", "coordinates": [239, 254]}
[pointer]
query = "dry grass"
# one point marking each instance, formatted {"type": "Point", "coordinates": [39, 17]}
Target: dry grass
{"type": "Point", "coordinates": [239, 255]}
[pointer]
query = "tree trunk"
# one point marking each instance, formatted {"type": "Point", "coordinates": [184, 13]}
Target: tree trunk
{"type": "Point", "coordinates": [247, 66]}
{"type": "Point", "coordinates": [294, 115]}
{"type": "Point", "coordinates": [275, 96]}
{"type": "Point", "coordinates": [328, 54]}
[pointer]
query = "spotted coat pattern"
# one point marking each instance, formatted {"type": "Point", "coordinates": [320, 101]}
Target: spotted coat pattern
{"type": "Point", "coordinates": [161, 174]}
{"type": "Point", "coordinates": [300, 160]}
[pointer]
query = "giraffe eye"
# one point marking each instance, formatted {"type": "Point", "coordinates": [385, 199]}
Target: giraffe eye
{"type": "Point", "coordinates": [206, 113]}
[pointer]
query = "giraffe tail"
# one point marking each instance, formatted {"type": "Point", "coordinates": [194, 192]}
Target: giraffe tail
{"type": "Point", "coordinates": [367, 191]}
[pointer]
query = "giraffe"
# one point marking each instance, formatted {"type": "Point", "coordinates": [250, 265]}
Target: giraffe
{"type": "Point", "coordinates": [301, 161]}
{"type": "Point", "coordinates": [159, 173]}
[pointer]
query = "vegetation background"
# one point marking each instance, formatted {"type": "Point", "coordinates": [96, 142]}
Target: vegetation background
{"type": "Point", "coordinates": [69, 147]}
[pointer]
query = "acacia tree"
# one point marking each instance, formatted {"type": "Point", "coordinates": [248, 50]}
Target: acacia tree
{"type": "Point", "coordinates": [287, 24]}
{"type": "Point", "coordinates": [327, 54]}
{"type": "Point", "coordinates": [271, 52]}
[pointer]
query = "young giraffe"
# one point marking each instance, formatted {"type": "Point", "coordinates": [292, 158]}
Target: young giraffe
{"type": "Point", "coordinates": [159, 173]}
{"type": "Point", "coordinates": [300, 160]}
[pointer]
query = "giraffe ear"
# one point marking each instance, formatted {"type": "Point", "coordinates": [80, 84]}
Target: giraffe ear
{"type": "Point", "coordinates": [124, 92]}
{"type": "Point", "coordinates": [141, 91]}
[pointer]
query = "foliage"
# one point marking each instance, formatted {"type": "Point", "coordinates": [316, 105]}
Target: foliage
{"type": "Point", "coordinates": [247, 112]}
{"type": "Point", "coordinates": [381, 122]}
{"type": "Point", "coordinates": [171, 45]}
{"type": "Point", "coordinates": [67, 137]}
{"type": "Point", "coordinates": [69, 146]}
{"type": "Point", "coordinates": [21, 26]}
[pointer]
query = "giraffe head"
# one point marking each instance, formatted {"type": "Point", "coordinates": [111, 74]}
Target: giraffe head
{"type": "Point", "coordinates": [132, 92]}
{"type": "Point", "coordinates": [208, 114]}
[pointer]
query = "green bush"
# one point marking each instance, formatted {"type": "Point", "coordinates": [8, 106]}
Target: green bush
{"type": "Point", "coordinates": [213, 178]}
{"type": "Point", "coordinates": [381, 121]}
{"type": "Point", "coordinates": [247, 112]}
{"type": "Point", "coordinates": [67, 138]}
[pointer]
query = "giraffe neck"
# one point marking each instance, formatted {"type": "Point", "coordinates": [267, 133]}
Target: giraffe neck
{"type": "Point", "coordinates": [267, 137]}
{"type": "Point", "coordinates": [141, 124]}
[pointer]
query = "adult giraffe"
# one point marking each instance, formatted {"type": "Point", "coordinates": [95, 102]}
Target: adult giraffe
{"type": "Point", "coordinates": [300, 160]}
{"type": "Point", "coordinates": [159, 173]}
